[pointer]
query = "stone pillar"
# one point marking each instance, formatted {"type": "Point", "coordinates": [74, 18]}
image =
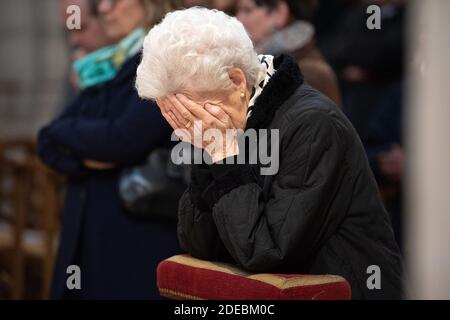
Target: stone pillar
{"type": "Point", "coordinates": [428, 133]}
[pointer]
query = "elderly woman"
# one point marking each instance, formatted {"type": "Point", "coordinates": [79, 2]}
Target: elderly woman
{"type": "Point", "coordinates": [107, 129]}
{"type": "Point", "coordinates": [319, 212]}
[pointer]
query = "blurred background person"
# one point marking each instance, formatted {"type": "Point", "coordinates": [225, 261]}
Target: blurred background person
{"type": "Point", "coordinates": [282, 26]}
{"type": "Point", "coordinates": [228, 6]}
{"type": "Point", "coordinates": [89, 37]}
{"type": "Point", "coordinates": [385, 150]}
{"type": "Point", "coordinates": [193, 3]}
{"type": "Point", "coordinates": [329, 14]}
{"type": "Point", "coordinates": [369, 65]}
{"type": "Point", "coordinates": [366, 61]}
{"type": "Point", "coordinates": [106, 129]}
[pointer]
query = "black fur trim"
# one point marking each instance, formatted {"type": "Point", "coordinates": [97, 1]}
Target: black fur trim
{"type": "Point", "coordinates": [280, 87]}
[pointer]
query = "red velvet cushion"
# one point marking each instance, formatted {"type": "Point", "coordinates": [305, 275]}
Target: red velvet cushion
{"type": "Point", "coordinates": [184, 277]}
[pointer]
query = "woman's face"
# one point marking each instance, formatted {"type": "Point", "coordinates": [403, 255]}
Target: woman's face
{"type": "Point", "coordinates": [91, 36]}
{"type": "Point", "coordinates": [258, 21]}
{"type": "Point", "coordinates": [120, 17]}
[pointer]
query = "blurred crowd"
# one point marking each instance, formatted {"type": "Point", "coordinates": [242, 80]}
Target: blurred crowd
{"type": "Point", "coordinates": [360, 69]}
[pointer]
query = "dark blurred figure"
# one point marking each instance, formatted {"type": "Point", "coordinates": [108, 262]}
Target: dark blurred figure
{"type": "Point", "coordinates": [369, 65]}
{"type": "Point", "coordinates": [228, 6]}
{"type": "Point", "coordinates": [193, 3]}
{"type": "Point", "coordinates": [365, 60]}
{"type": "Point", "coordinates": [282, 26]}
{"type": "Point", "coordinates": [107, 129]}
{"type": "Point", "coordinates": [329, 15]}
{"type": "Point", "coordinates": [90, 37]}
{"type": "Point", "coordinates": [385, 151]}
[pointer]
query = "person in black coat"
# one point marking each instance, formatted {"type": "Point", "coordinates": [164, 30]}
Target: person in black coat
{"type": "Point", "coordinates": [386, 153]}
{"type": "Point", "coordinates": [106, 129]}
{"type": "Point", "coordinates": [364, 59]}
{"type": "Point", "coordinates": [314, 208]}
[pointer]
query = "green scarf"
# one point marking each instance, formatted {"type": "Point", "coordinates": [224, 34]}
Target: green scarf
{"type": "Point", "coordinates": [102, 65]}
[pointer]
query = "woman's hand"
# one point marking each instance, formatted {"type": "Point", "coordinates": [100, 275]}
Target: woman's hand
{"type": "Point", "coordinates": [207, 127]}
{"type": "Point", "coordinates": [96, 165]}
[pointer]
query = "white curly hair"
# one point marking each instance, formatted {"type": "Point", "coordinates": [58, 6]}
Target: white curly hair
{"type": "Point", "coordinates": [193, 50]}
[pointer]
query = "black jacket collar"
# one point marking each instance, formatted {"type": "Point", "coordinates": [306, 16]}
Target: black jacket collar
{"type": "Point", "coordinates": [280, 87]}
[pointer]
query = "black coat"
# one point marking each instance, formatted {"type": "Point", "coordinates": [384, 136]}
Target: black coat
{"type": "Point", "coordinates": [116, 254]}
{"type": "Point", "coordinates": [320, 214]}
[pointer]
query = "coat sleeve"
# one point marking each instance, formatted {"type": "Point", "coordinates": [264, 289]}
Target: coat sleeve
{"type": "Point", "coordinates": [124, 139]}
{"type": "Point", "coordinates": [58, 157]}
{"type": "Point", "coordinates": [55, 155]}
{"type": "Point", "coordinates": [295, 219]}
{"type": "Point", "coordinates": [196, 226]}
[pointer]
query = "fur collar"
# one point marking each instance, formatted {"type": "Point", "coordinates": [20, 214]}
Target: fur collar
{"type": "Point", "coordinates": [280, 87]}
